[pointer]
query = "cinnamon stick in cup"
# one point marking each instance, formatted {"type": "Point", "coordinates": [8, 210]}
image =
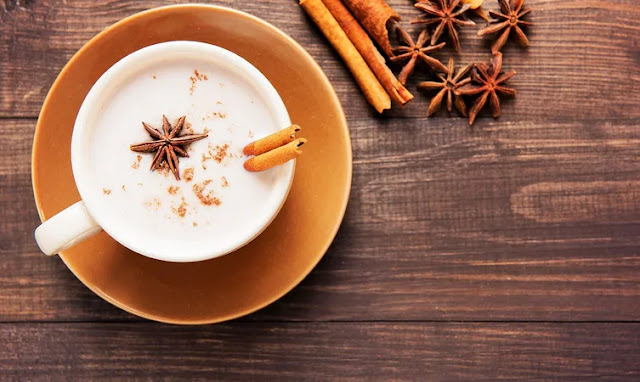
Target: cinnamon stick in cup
{"type": "Point", "coordinates": [369, 52]}
{"type": "Point", "coordinates": [375, 16]}
{"type": "Point", "coordinates": [368, 82]}
{"type": "Point", "coordinates": [275, 140]}
{"type": "Point", "coordinates": [275, 157]}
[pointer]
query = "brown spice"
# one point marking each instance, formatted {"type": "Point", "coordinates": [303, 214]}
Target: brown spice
{"type": "Point", "coordinates": [124, 188]}
{"type": "Point", "coordinates": [154, 77]}
{"type": "Point", "coordinates": [155, 204]}
{"type": "Point", "coordinates": [167, 144]}
{"type": "Point", "coordinates": [188, 127]}
{"type": "Point", "coordinates": [204, 160]}
{"type": "Point", "coordinates": [487, 81]}
{"type": "Point", "coordinates": [251, 134]}
{"type": "Point", "coordinates": [194, 80]}
{"type": "Point", "coordinates": [163, 169]}
{"type": "Point", "coordinates": [207, 199]}
{"type": "Point", "coordinates": [106, 191]}
{"type": "Point", "coordinates": [195, 224]}
{"type": "Point", "coordinates": [509, 20]}
{"type": "Point", "coordinates": [414, 51]}
{"type": "Point", "coordinates": [275, 157]}
{"type": "Point", "coordinates": [220, 154]}
{"type": "Point", "coordinates": [181, 210]}
{"type": "Point", "coordinates": [447, 14]}
{"type": "Point", "coordinates": [224, 182]}
{"type": "Point", "coordinates": [272, 141]}
{"type": "Point", "coordinates": [376, 17]}
{"type": "Point", "coordinates": [188, 174]}
{"type": "Point", "coordinates": [215, 114]}
{"type": "Point", "coordinates": [136, 164]}
{"type": "Point", "coordinates": [447, 86]}
{"type": "Point", "coordinates": [172, 190]}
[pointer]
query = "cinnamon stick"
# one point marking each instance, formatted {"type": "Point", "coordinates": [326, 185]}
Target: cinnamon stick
{"type": "Point", "coordinates": [369, 52]}
{"type": "Point", "coordinates": [275, 140]}
{"type": "Point", "coordinates": [376, 17]}
{"type": "Point", "coordinates": [275, 157]}
{"type": "Point", "coordinates": [370, 85]}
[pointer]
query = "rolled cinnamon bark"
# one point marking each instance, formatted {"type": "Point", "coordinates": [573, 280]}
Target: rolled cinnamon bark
{"type": "Point", "coordinates": [370, 85]}
{"type": "Point", "coordinates": [275, 157]}
{"type": "Point", "coordinates": [376, 17]}
{"type": "Point", "coordinates": [275, 140]}
{"type": "Point", "coordinates": [369, 52]}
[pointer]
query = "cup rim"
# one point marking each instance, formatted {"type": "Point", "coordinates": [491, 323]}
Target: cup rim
{"type": "Point", "coordinates": [230, 60]}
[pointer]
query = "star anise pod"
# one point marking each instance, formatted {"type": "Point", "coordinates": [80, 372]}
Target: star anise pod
{"type": "Point", "coordinates": [510, 19]}
{"type": "Point", "coordinates": [487, 82]}
{"type": "Point", "coordinates": [413, 52]}
{"type": "Point", "coordinates": [167, 144]}
{"type": "Point", "coordinates": [446, 13]}
{"type": "Point", "coordinates": [447, 86]}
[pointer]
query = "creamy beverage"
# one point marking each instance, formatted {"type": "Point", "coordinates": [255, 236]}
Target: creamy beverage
{"type": "Point", "coordinates": [216, 202]}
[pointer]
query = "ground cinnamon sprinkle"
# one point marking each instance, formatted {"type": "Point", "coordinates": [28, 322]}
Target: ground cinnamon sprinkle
{"type": "Point", "coordinates": [204, 160]}
{"type": "Point", "coordinates": [220, 152]}
{"type": "Point", "coordinates": [208, 199]}
{"type": "Point", "coordinates": [106, 191]}
{"type": "Point", "coordinates": [124, 188]}
{"type": "Point", "coordinates": [181, 210]}
{"type": "Point", "coordinates": [154, 77]}
{"type": "Point", "coordinates": [251, 134]}
{"type": "Point", "coordinates": [187, 174]}
{"type": "Point", "coordinates": [188, 127]}
{"type": "Point", "coordinates": [155, 204]}
{"type": "Point", "coordinates": [198, 77]}
{"type": "Point", "coordinates": [136, 164]}
{"type": "Point", "coordinates": [215, 114]}
{"type": "Point", "coordinates": [164, 169]}
{"type": "Point", "coordinates": [173, 190]}
{"type": "Point", "coordinates": [195, 224]}
{"type": "Point", "coordinates": [224, 182]}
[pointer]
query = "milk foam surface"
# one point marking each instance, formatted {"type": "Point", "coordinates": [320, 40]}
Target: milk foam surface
{"type": "Point", "coordinates": [158, 210]}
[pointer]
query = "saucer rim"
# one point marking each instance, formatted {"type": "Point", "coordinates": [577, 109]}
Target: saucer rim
{"type": "Point", "coordinates": [337, 105]}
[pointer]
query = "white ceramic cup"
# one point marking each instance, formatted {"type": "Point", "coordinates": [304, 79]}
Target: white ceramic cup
{"type": "Point", "coordinates": [83, 219]}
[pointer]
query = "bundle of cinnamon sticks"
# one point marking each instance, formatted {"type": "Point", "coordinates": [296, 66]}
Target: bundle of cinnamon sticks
{"type": "Point", "coordinates": [344, 22]}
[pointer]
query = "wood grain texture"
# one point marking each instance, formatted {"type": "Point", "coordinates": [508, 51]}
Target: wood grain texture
{"type": "Point", "coordinates": [582, 64]}
{"type": "Point", "coordinates": [534, 217]}
{"type": "Point", "coordinates": [520, 222]}
{"type": "Point", "coordinates": [321, 352]}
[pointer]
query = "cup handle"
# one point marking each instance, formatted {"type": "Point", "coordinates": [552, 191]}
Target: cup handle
{"type": "Point", "coordinates": [66, 229]}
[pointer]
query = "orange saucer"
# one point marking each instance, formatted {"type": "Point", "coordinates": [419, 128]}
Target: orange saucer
{"type": "Point", "coordinates": [263, 271]}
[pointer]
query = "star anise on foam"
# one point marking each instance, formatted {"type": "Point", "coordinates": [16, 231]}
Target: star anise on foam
{"type": "Point", "coordinates": [509, 20]}
{"type": "Point", "coordinates": [445, 12]}
{"type": "Point", "coordinates": [487, 81]}
{"type": "Point", "coordinates": [414, 51]}
{"type": "Point", "coordinates": [448, 86]}
{"type": "Point", "coordinates": [167, 144]}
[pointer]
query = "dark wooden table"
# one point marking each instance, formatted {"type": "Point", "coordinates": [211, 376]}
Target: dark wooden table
{"type": "Point", "coordinates": [510, 251]}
